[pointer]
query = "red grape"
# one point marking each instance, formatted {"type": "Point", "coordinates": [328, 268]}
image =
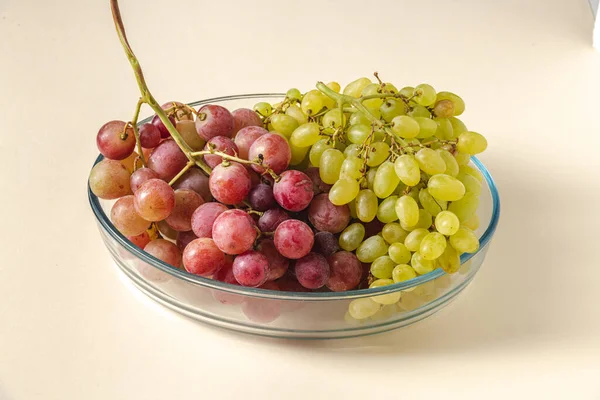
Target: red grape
{"type": "Point", "coordinates": [202, 257]}
{"type": "Point", "coordinates": [164, 132]}
{"type": "Point", "coordinates": [271, 219]}
{"type": "Point", "coordinates": [164, 251]}
{"type": "Point", "coordinates": [167, 160]}
{"type": "Point", "coordinates": [312, 271]}
{"type": "Point", "coordinates": [181, 114]}
{"type": "Point", "coordinates": [214, 120]}
{"type": "Point", "coordinates": [243, 117]}
{"type": "Point", "coordinates": [225, 274]}
{"type": "Point", "coordinates": [289, 283]}
{"type": "Point", "coordinates": [230, 184]}
{"type": "Point", "coordinates": [278, 264]}
{"type": "Point", "coordinates": [293, 239]}
{"type": "Point", "coordinates": [326, 216]}
{"type": "Point", "coordinates": [251, 268]}
{"type": "Point", "coordinates": [186, 202]}
{"type": "Point", "coordinates": [346, 271]}
{"type": "Point", "coordinates": [318, 185]}
{"type": "Point", "coordinates": [275, 152]}
{"type": "Point", "coordinates": [204, 217]}
{"type": "Point", "coordinates": [325, 243]}
{"type": "Point", "coordinates": [261, 197]}
{"type": "Point", "coordinates": [111, 144]}
{"type": "Point", "coordinates": [140, 176]}
{"type": "Point", "coordinates": [222, 144]}
{"type": "Point", "coordinates": [149, 136]}
{"type": "Point", "coordinates": [109, 179]}
{"type": "Point", "coordinates": [154, 200]}
{"type": "Point", "coordinates": [293, 191]}
{"type": "Point", "coordinates": [126, 219]}
{"type": "Point", "coordinates": [195, 180]}
{"type": "Point", "coordinates": [246, 136]}
{"type": "Point", "coordinates": [234, 231]}
{"type": "Point", "coordinates": [140, 240]}
{"type": "Point", "coordinates": [166, 230]}
{"type": "Point", "coordinates": [184, 238]}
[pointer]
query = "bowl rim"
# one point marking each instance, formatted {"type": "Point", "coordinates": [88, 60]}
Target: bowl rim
{"type": "Point", "coordinates": [107, 225]}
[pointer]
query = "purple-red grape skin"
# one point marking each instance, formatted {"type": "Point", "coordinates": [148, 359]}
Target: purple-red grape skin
{"type": "Point", "coordinates": [184, 238]}
{"type": "Point", "coordinates": [165, 251]}
{"type": "Point", "coordinates": [166, 231]}
{"type": "Point", "coordinates": [244, 117]}
{"type": "Point", "coordinates": [186, 202]}
{"type": "Point", "coordinates": [246, 136]}
{"type": "Point", "coordinates": [312, 271]}
{"type": "Point", "coordinates": [126, 219]}
{"type": "Point", "coordinates": [234, 231]}
{"type": "Point", "coordinates": [214, 120]}
{"type": "Point", "coordinates": [202, 257]}
{"type": "Point", "coordinates": [326, 216]}
{"type": "Point", "coordinates": [325, 243]}
{"type": "Point", "coordinates": [251, 268]}
{"type": "Point", "coordinates": [261, 197]}
{"type": "Point", "coordinates": [140, 240]}
{"type": "Point", "coordinates": [222, 144]}
{"type": "Point", "coordinates": [293, 239]}
{"type": "Point", "coordinates": [167, 160]}
{"type": "Point", "coordinates": [195, 180]}
{"type": "Point", "coordinates": [140, 176]}
{"type": "Point", "coordinates": [293, 191]}
{"type": "Point", "coordinates": [109, 179]}
{"type": "Point", "coordinates": [271, 219]}
{"type": "Point", "coordinates": [164, 132]}
{"type": "Point", "coordinates": [149, 136]}
{"type": "Point", "coordinates": [275, 152]}
{"type": "Point", "coordinates": [154, 200]}
{"type": "Point", "coordinates": [204, 217]}
{"type": "Point", "coordinates": [110, 142]}
{"type": "Point", "coordinates": [278, 264]}
{"type": "Point", "coordinates": [318, 185]}
{"type": "Point", "coordinates": [345, 271]}
{"type": "Point", "coordinates": [230, 184]}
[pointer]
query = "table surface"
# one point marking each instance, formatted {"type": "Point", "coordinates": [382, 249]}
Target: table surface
{"type": "Point", "coordinates": [527, 327]}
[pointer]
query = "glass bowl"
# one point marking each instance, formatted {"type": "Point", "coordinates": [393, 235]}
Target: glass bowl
{"type": "Point", "coordinates": [315, 315]}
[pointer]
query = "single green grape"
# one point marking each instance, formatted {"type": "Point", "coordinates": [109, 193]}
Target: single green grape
{"type": "Point", "coordinates": [407, 91]}
{"type": "Point", "coordinates": [407, 210]}
{"type": "Point", "coordinates": [465, 207]}
{"type": "Point", "coordinates": [306, 135]}
{"type": "Point", "coordinates": [371, 177]}
{"type": "Point", "coordinates": [462, 159]}
{"type": "Point", "coordinates": [458, 126]}
{"type": "Point", "coordinates": [374, 111]}
{"type": "Point", "coordinates": [380, 151]}
{"type": "Point", "coordinates": [316, 151]}
{"type": "Point", "coordinates": [294, 94]}
{"type": "Point", "coordinates": [414, 238]}
{"type": "Point", "coordinates": [371, 89]}
{"type": "Point", "coordinates": [432, 246]}
{"type": "Point", "coordinates": [334, 86]}
{"type": "Point", "coordinates": [358, 118]}
{"type": "Point", "coordinates": [388, 298]}
{"type": "Point", "coordinates": [421, 265]}
{"type": "Point", "coordinates": [444, 129]}
{"type": "Point", "coordinates": [386, 212]}
{"type": "Point", "coordinates": [386, 180]}
{"type": "Point", "coordinates": [333, 119]}
{"type": "Point", "coordinates": [392, 108]}
{"type": "Point", "coordinates": [472, 185]}
{"type": "Point", "coordinates": [471, 143]}
{"type": "Point", "coordinates": [263, 108]}
{"type": "Point", "coordinates": [382, 267]}
{"type": "Point", "coordinates": [352, 168]}
{"type": "Point", "coordinates": [312, 102]}
{"type": "Point", "coordinates": [464, 241]}
{"type": "Point", "coordinates": [284, 124]}
{"type": "Point", "coordinates": [457, 101]}
{"type": "Point", "coordinates": [405, 126]}
{"type": "Point", "coordinates": [352, 236]}
{"type": "Point", "coordinates": [451, 163]}
{"type": "Point", "coordinates": [430, 161]}
{"type": "Point", "coordinates": [447, 223]}
{"type": "Point", "coordinates": [363, 308]}
{"type": "Point", "coordinates": [430, 204]}
{"type": "Point", "coordinates": [425, 94]}
{"type": "Point", "coordinates": [399, 253]}
{"type": "Point", "coordinates": [331, 165]}
{"type": "Point", "coordinates": [445, 187]}
{"type": "Point", "coordinates": [355, 88]}
{"type": "Point", "coordinates": [371, 249]}
{"type": "Point", "coordinates": [449, 261]}
{"type": "Point", "coordinates": [472, 223]}
{"type": "Point", "coordinates": [419, 111]}
{"type": "Point", "coordinates": [366, 205]}
{"type": "Point", "coordinates": [474, 172]}
{"type": "Point", "coordinates": [352, 150]}
{"type": "Point", "coordinates": [358, 133]}
{"type": "Point", "coordinates": [403, 272]}
{"type": "Point", "coordinates": [298, 154]}
{"type": "Point", "coordinates": [427, 127]}
{"type": "Point", "coordinates": [407, 169]}
{"type": "Point", "coordinates": [425, 221]}
{"type": "Point", "coordinates": [295, 112]}
{"type": "Point", "coordinates": [344, 191]}
{"type": "Point", "coordinates": [392, 232]}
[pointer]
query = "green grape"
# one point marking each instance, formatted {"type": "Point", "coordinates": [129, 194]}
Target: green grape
{"type": "Point", "coordinates": [358, 133]}
{"type": "Point", "coordinates": [352, 207]}
{"type": "Point", "coordinates": [306, 135]}
{"type": "Point", "coordinates": [445, 187]}
{"type": "Point", "coordinates": [399, 253]}
{"type": "Point", "coordinates": [366, 205]}
{"type": "Point", "coordinates": [425, 221]}
{"type": "Point", "coordinates": [443, 108]}
{"type": "Point", "coordinates": [465, 207]}
{"type": "Point", "coordinates": [432, 246]}
{"type": "Point", "coordinates": [392, 108]}
{"type": "Point", "coordinates": [474, 172]}
{"type": "Point", "coordinates": [294, 94]}
{"type": "Point", "coordinates": [332, 119]}
{"type": "Point", "coordinates": [447, 223]}
{"type": "Point", "coordinates": [340, 146]}
{"type": "Point", "coordinates": [458, 126]}
{"type": "Point", "coordinates": [471, 143]}
{"type": "Point", "coordinates": [371, 249]}
{"type": "Point", "coordinates": [284, 124]}
{"type": "Point", "coordinates": [459, 104]}
{"type": "Point", "coordinates": [414, 238]}
{"type": "Point", "coordinates": [419, 111]}
{"type": "Point", "coordinates": [352, 151]}
{"type": "Point", "coordinates": [421, 265]}
{"type": "Point", "coordinates": [472, 223]}
{"type": "Point", "coordinates": [351, 168]}
{"type": "Point", "coordinates": [386, 212]}
{"type": "Point", "coordinates": [403, 272]}
{"type": "Point", "coordinates": [263, 108]}
{"type": "Point", "coordinates": [380, 151]}
{"type": "Point", "coordinates": [449, 261]}
{"type": "Point", "coordinates": [472, 185]}
{"type": "Point", "coordinates": [373, 88]}
{"type": "Point", "coordinates": [425, 94]}
{"type": "Point", "coordinates": [330, 165]}
{"type": "Point", "coordinates": [407, 210]}
{"type": "Point", "coordinates": [382, 267]}
{"type": "Point", "coordinates": [451, 163]}
{"type": "Point", "coordinates": [295, 112]}
{"type": "Point", "coordinates": [430, 204]}
{"type": "Point", "coordinates": [392, 232]}
{"type": "Point", "coordinates": [430, 161]}
{"type": "Point", "coordinates": [358, 118]}
{"type": "Point", "coordinates": [352, 236]}
{"type": "Point", "coordinates": [407, 91]}
{"type": "Point", "coordinates": [444, 129]}
{"type": "Point", "coordinates": [298, 154]}
{"type": "Point", "coordinates": [363, 308]}
{"type": "Point", "coordinates": [464, 241]}
{"type": "Point", "coordinates": [355, 88]}
{"type": "Point", "coordinates": [385, 299]}
{"type": "Point", "coordinates": [389, 88]}
{"type": "Point", "coordinates": [344, 191]}
{"type": "Point", "coordinates": [374, 111]}
{"type": "Point", "coordinates": [316, 151]}
{"type": "Point", "coordinates": [386, 180]}
{"type": "Point", "coordinates": [371, 177]}
{"type": "Point", "coordinates": [334, 86]}
{"type": "Point", "coordinates": [407, 169]}
{"type": "Point", "coordinates": [462, 159]}
{"type": "Point", "coordinates": [312, 102]}
{"type": "Point", "coordinates": [405, 126]}
{"type": "Point", "coordinates": [427, 127]}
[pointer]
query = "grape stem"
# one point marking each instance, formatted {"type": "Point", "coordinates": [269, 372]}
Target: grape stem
{"type": "Point", "coordinates": [189, 165]}
{"type": "Point", "coordinates": [136, 132]}
{"type": "Point", "coordinates": [230, 158]}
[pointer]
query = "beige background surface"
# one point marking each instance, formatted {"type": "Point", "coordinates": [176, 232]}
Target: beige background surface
{"type": "Point", "coordinates": [528, 326]}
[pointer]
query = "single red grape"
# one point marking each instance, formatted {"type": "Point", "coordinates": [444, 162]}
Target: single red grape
{"type": "Point", "coordinates": [274, 151]}
{"type": "Point", "coordinates": [326, 216]}
{"type": "Point", "coordinates": [167, 160]}
{"type": "Point", "coordinates": [234, 231]}
{"type": "Point", "coordinates": [214, 120]}
{"type": "Point", "coordinates": [164, 132]}
{"type": "Point", "coordinates": [184, 238]}
{"type": "Point", "coordinates": [109, 179]}
{"type": "Point", "coordinates": [165, 251]}
{"type": "Point", "coordinates": [346, 271]}
{"type": "Point", "coordinates": [246, 136]}
{"type": "Point", "coordinates": [293, 191]}
{"type": "Point", "coordinates": [312, 271]}
{"type": "Point", "coordinates": [195, 180]}
{"type": "Point", "coordinates": [293, 239]}
{"type": "Point", "coordinates": [271, 219]}
{"type": "Point", "coordinates": [126, 219]}
{"type": "Point", "coordinates": [154, 200]}
{"type": "Point", "coordinates": [140, 176]}
{"type": "Point", "coordinates": [112, 144]}
{"type": "Point", "coordinates": [278, 264]}
{"type": "Point", "coordinates": [222, 144]}
{"type": "Point", "coordinates": [202, 257]}
{"type": "Point", "coordinates": [186, 202]}
{"type": "Point", "coordinates": [204, 217]}
{"type": "Point", "coordinates": [261, 197]}
{"type": "Point", "coordinates": [140, 240]}
{"type": "Point", "coordinates": [149, 136]}
{"type": "Point", "coordinates": [251, 268]}
{"type": "Point", "coordinates": [243, 117]}
{"type": "Point", "coordinates": [229, 184]}
{"type": "Point", "coordinates": [325, 243]}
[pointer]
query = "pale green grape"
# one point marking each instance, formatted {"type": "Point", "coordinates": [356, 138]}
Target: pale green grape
{"type": "Point", "coordinates": [382, 267]}
{"type": "Point", "coordinates": [405, 126]}
{"type": "Point", "coordinates": [295, 112]}
{"type": "Point", "coordinates": [471, 143]}
{"type": "Point", "coordinates": [334, 86]}
{"type": "Point", "coordinates": [419, 111]}
{"type": "Point", "coordinates": [331, 165]}
{"type": "Point", "coordinates": [344, 191]}
{"type": "Point", "coordinates": [374, 111]}
{"type": "Point", "coordinates": [430, 161]}
{"type": "Point", "coordinates": [449, 261]}
{"type": "Point", "coordinates": [333, 119]}
{"type": "Point", "coordinates": [427, 127]}
{"type": "Point", "coordinates": [263, 108]}
{"type": "Point", "coordinates": [371, 177]}
{"type": "Point", "coordinates": [352, 151]}
{"type": "Point", "coordinates": [371, 249]}
{"type": "Point", "coordinates": [392, 108]}
{"type": "Point", "coordinates": [451, 163]}
{"type": "Point", "coordinates": [459, 104]}
{"type": "Point", "coordinates": [472, 185]}
{"type": "Point", "coordinates": [407, 169]}
{"type": "Point", "coordinates": [358, 133]}
{"type": "Point", "coordinates": [445, 187]}
{"type": "Point", "coordinates": [316, 151]}
{"type": "Point", "coordinates": [399, 253]}
{"type": "Point", "coordinates": [464, 241]}
{"type": "Point", "coordinates": [458, 126]}
{"type": "Point", "coordinates": [352, 207]}
{"type": "Point", "coordinates": [380, 151]}
{"type": "Point", "coordinates": [306, 135]}
{"type": "Point", "coordinates": [465, 207]}
{"type": "Point", "coordinates": [414, 238]}
{"type": "Point", "coordinates": [355, 88]}
{"type": "Point", "coordinates": [363, 308]}
{"type": "Point", "coordinates": [407, 91]}
{"type": "Point", "coordinates": [386, 212]}
{"type": "Point", "coordinates": [462, 159]}
{"type": "Point", "coordinates": [443, 108]}
{"type": "Point", "coordinates": [312, 102]}
{"type": "Point", "coordinates": [472, 223]}
{"type": "Point", "coordinates": [352, 168]}
{"type": "Point", "coordinates": [389, 298]}
{"type": "Point", "coordinates": [432, 246]}
{"type": "Point", "coordinates": [386, 180]}
{"type": "Point", "coordinates": [425, 221]}
{"type": "Point", "coordinates": [284, 124]}
{"type": "Point", "coordinates": [421, 265]}
{"type": "Point", "coordinates": [425, 94]}
{"type": "Point", "coordinates": [388, 87]}
{"type": "Point", "coordinates": [431, 205]}
{"type": "Point", "coordinates": [366, 205]}
{"type": "Point", "coordinates": [447, 223]}
{"type": "Point", "coordinates": [373, 88]}
{"type": "Point", "coordinates": [392, 232]}
{"type": "Point", "coordinates": [444, 129]}
{"type": "Point", "coordinates": [358, 118]}
{"type": "Point", "coordinates": [407, 210]}
{"type": "Point", "coordinates": [467, 169]}
{"type": "Point", "coordinates": [298, 154]}
{"type": "Point", "coordinates": [403, 272]}
{"type": "Point", "coordinates": [294, 94]}
{"type": "Point", "coordinates": [352, 236]}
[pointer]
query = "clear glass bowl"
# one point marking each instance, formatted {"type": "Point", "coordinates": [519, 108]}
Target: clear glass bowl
{"type": "Point", "coordinates": [315, 315]}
